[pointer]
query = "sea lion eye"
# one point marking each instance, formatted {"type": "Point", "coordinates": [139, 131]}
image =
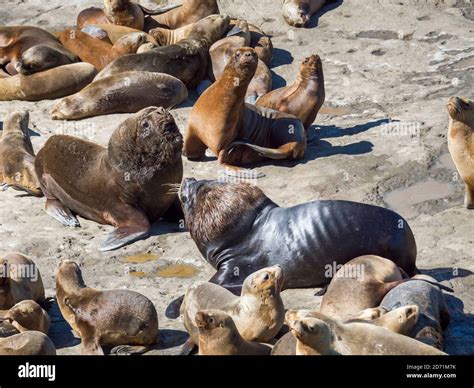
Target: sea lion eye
{"type": "Point", "coordinates": [211, 320]}
{"type": "Point", "coordinates": [266, 276]}
{"type": "Point", "coordinates": [237, 54]}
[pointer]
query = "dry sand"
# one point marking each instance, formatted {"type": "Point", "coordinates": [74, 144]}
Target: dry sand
{"type": "Point", "coordinates": [389, 67]}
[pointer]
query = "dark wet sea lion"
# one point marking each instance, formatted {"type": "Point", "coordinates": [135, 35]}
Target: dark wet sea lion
{"type": "Point", "coordinates": [124, 319]}
{"type": "Point", "coordinates": [127, 185]}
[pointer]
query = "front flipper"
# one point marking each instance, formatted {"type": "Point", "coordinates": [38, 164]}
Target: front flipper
{"type": "Point", "coordinates": [322, 291]}
{"type": "Point", "coordinates": [158, 11]}
{"type": "Point", "coordinates": [126, 350]}
{"type": "Point", "coordinates": [189, 348]}
{"type": "Point", "coordinates": [61, 213]}
{"type": "Point", "coordinates": [173, 309]}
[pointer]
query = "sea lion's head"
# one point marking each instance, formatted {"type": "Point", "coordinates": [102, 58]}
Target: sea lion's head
{"type": "Point", "coordinates": [314, 334]}
{"type": "Point", "coordinates": [69, 276]}
{"type": "Point", "coordinates": [461, 109]}
{"type": "Point", "coordinates": [296, 15]}
{"type": "Point", "coordinates": [28, 314]}
{"type": "Point", "coordinates": [401, 320]}
{"type": "Point", "coordinates": [265, 282]}
{"type": "Point", "coordinates": [311, 66]}
{"type": "Point", "coordinates": [243, 63]}
{"type": "Point", "coordinates": [211, 208]}
{"type": "Point", "coordinates": [291, 316]}
{"type": "Point", "coordinates": [210, 29]}
{"type": "Point", "coordinates": [133, 41]}
{"type": "Point", "coordinates": [112, 6]}
{"type": "Point", "coordinates": [40, 58]}
{"type": "Point", "coordinates": [144, 144]}
{"type": "Point", "coordinates": [215, 324]}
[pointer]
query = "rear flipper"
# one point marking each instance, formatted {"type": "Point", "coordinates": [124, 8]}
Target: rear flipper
{"type": "Point", "coordinates": [158, 11]}
{"type": "Point", "coordinates": [469, 198]}
{"type": "Point", "coordinates": [127, 350]}
{"type": "Point", "coordinates": [61, 213]}
{"type": "Point", "coordinates": [189, 348]}
{"type": "Point", "coordinates": [286, 151]}
{"type": "Point", "coordinates": [322, 291]}
{"type": "Point", "coordinates": [124, 235]}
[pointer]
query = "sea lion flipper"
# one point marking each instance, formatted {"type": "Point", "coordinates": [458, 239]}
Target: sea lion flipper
{"type": "Point", "coordinates": [271, 153]}
{"type": "Point", "coordinates": [189, 348]}
{"type": "Point", "coordinates": [173, 309]}
{"type": "Point", "coordinates": [61, 213]}
{"type": "Point", "coordinates": [322, 291]}
{"type": "Point", "coordinates": [158, 11]}
{"type": "Point", "coordinates": [126, 350]}
{"type": "Point", "coordinates": [124, 235]}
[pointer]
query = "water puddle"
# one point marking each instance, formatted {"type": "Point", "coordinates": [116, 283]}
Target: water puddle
{"type": "Point", "coordinates": [141, 258]}
{"type": "Point", "coordinates": [178, 271]}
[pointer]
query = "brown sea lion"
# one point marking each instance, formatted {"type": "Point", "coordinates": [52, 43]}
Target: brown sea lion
{"type": "Point", "coordinates": [218, 336]}
{"type": "Point", "coordinates": [238, 133]}
{"type": "Point", "coordinates": [17, 157]}
{"type": "Point", "coordinates": [28, 343]}
{"type": "Point", "coordinates": [261, 43]}
{"type": "Point", "coordinates": [124, 319]}
{"type": "Point", "coordinates": [20, 280]}
{"type": "Point", "coordinates": [189, 12]}
{"type": "Point", "coordinates": [27, 315]}
{"type": "Point", "coordinates": [6, 328]}
{"type": "Point", "coordinates": [118, 12]}
{"type": "Point", "coordinates": [165, 36]}
{"type": "Point", "coordinates": [47, 85]}
{"type": "Point", "coordinates": [97, 52]}
{"type": "Point", "coordinates": [321, 335]}
{"type": "Point", "coordinates": [304, 97]}
{"type": "Point", "coordinates": [27, 50]}
{"type": "Point", "coordinates": [126, 185]}
{"type": "Point", "coordinates": [258, 313]}
{"type": "Point", "coordinates": [111, 33]}
{"type": "Point", "coordinates": [461, 143]}
{"type": "Point", "coordinates": [187, 60]}
{"type": "Point", "coordinates": [126, 92]}
{"type": "Point", "coordinates": [297, 13]}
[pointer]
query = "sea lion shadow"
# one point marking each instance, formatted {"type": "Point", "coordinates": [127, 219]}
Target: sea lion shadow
{"type": "Point", "coordinates": [442, 274]}
{"type": "Point", "coordinates": [280, 57]}
{"type": "Point", "coordinates": [277, 81]}
{"type": "Point", "coordinates": [170, 338]}
{"type": "Point", "coordinates": [30, 131]}
{"type": "Point", "coordinates": [60, 332]}
{"type": "Point", "coordinates": [190, 101]}
{"type": "Point", "coordinates": [331, 5]}
{"type": "Point", "coordinates": [164, 227]}
{"type": "Point", "coordinates": [459, 335]}
{"type": "Point", "coordinates": [318, 132]}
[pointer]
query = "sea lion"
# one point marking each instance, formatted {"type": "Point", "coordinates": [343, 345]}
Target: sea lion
{"type": "Point", "coordinates": [165, 36]}
{"type": "Point", "coordinates": [20, 280]}
{"type": "Point", "coordinates": [127, 185]}
{"type": "Point", "coordinates": [461, 143]}
{"type": "Point", "coordinates": [123, 319]}
{"type": "Point", "coordinates": [218, 336]}
{"type": "Point", "coordinates": [297, 13]}
{"type": "Point", "coordinates": [126, 92]}
{"type": "Point", "coordinates": [239, 230]}
{"type": "Point", "coordinates": [238, 133]}
{"type": "Point", "coordinates": [186, 60]}
{"type": "Point", "coordinates": [261, 43]}
{"type": "Point", "coordinates": [111, 33]}
{"type": "Point", "coordinates": [27, 315]}
{"type": "Point", "coordinates": [322, 335]}
{"type": "Point", "coordinates": [118, 12]}
{"type": "Point", "coordinates": [17, 157]}
{"type": "Point", "coordinates": [7, 329]}
{"type": "Point", "coordinates": [27, 50]}
{"type": "Point", "coordinates": [28, 343]}
{"type": "Point", "coordinates": [47, 85]}
{"type": "Point", "coordinates": [304, 97]}
{"type": "Point", "coordinates": [97, 52]}
{"type": "Point", "coordinates": [401, 321]}
{"type": "Point", "coordinates": [189, 12]}
{"type": "Point", "coordinates": [433, 310]}
{"type": "Point", "coordinates": [258, 313]}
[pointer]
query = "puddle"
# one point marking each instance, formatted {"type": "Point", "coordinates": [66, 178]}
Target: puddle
{"type": "Point", "coordinates": [178, 271]}
{"type": "Point", "coordinates": [403, 200]}
{"type": "Point", "coordinates": [141, 258]}
{"type": "Point", "coordinates": [334, 111]}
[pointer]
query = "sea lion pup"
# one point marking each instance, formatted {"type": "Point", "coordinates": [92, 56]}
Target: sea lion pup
{"type": "Point", "coordinates": [47, 85]}
{"type": "Point", "coordinates": [110, 33]}
{"type": "Point", "coordinates": [27, 50]}
{"type": "Point", "coordinates": [433, 310]}
{"type": "Point", "coordinates": [127, 185]}
{"type": "Point", "coordinates": [27, 315]}
{"type": "Point", "coordinates": [20, 280]}
{"type": "Point", "coordinates": [461, 142]}
{"type": "Point", "coordinates": [97, 52]}
{"type": "Point", "coordinates": [218, 336]}
{"type": "Point", "coordinates": [187, 60]}
{"type": "Point", "coordinates": [28, 343]}
{"type": "Point", "coordinates": [322, 335]}
{"type": "Point", "coordinates": [165, 36]}
{"type": "Point", "coordinates": [238, 133]}
{"type": "Point", "coordinates": [119, 12]}
{"type": "Point", "coordinates": [258, 313]}
{"type": "Point", "coordinates": [297, 13]}
{"type": "Point", "coordinates": [261, 43]}
{"type": "Point", "coordinates": [123, 319]}
{"type": "Point", "coordinates": [304, 97]}
{"type": "Point", "coordinates": [17, 157]}
{"type": "Point", "coordinates": [126, 92]}
{"type": "Point", "coordinates": [311, 236]}
{"type": "Point", "coordinates": [189, 12]}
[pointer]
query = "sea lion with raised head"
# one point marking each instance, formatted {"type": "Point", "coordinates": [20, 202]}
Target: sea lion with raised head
{"type": "Point", "coordinates": [47, 85]}
{"type": "Point", "coordinates": [28, 343]}
{"type": "Point", "coordinates": [238, 133]}
{"type": "Point", "coordinates": [304, 97]}
{"type": "Point", "coordinates": [127, 185]}
{"type": "Point", "coordinates": [119, 12]}
{"type": "Point", "coordinates": [218, 336]}
{"type": "Point", "coordinates": [187, 60]}
{"type": "Point", "coordinates": [20, 280]}
{"type": "Point", "coordinates": [297, 13]}
{"type": "Point", "coordinates": [189, 12]}
{"type": "Point", "coordinates": [17, 157]}
{"type": "Point", "coordinates": [27, 50]}
{"type": "Point", "coordinates": [126, 92]}
{"type": "Point", "coordinates": [27, 315]}
{"type": "Point", "coordinates": [258, 313]}
{"type": "Point", "coordinates": [461, 143]}
{"type": "Point", "coordinates": [123, 319]}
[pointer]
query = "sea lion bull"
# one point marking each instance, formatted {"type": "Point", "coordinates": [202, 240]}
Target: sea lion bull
{"type": "Point", "coordinates": [17, 157]}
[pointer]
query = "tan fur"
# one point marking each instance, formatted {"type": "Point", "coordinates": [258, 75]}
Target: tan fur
{"type": "Point", "coordinates": [28, 343]}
